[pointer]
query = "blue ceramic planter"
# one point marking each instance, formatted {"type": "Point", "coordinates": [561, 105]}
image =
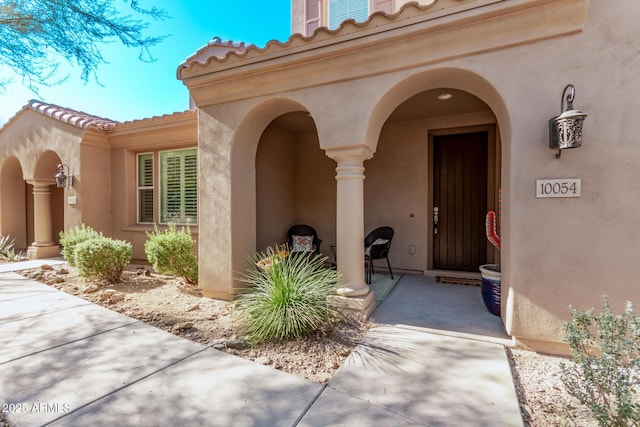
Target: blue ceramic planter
{"type": "Point", "coordinates": [491, 289]}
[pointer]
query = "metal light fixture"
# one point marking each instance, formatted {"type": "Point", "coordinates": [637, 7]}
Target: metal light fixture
{"type": "Point", "coordinates": [63, 180]}
{"type": "Point", "coordinates": [565, 130]}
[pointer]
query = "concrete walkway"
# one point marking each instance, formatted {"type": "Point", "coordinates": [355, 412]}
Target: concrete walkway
{"type": "Point", "coordinates": [65, 361]}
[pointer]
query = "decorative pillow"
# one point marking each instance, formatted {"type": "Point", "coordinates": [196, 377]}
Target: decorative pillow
{"type": "Point", "coordinates": [367, 251]}
{"type": "Point", "coordinates": [380, 242]}
{"type": "Point", "coordinates": [302, 243]}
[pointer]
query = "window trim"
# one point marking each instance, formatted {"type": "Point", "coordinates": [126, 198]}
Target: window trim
{"type": "Point", "coordinates": [316, 20]}
{"type": "Point", "coordinates": [158, 214]}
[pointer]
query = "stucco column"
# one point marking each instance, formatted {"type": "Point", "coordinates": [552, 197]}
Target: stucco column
{"type": "Point", "coordinates": [350, 226]}
{"type": "Point", "coordinates": [43, 245]}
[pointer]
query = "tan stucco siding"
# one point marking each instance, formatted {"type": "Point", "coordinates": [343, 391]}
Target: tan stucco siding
{"type": "Point", "coordinates": [276, 167]}
{"type": "Point", "coordinates": [516, 57]}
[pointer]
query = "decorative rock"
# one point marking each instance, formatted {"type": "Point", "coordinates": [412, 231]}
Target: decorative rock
{"type": "Point", "coordinates": [117, 297]}
{"type": "Point", "coordinates": [58, 279]}
{"type": "Point", "coordinates": [91, 288]}
{"type": "Point", "coordinates": [46, 267]}
{"type": "Point", "coordinates": [237, 344]}
{"type": "Point", "coordinates": [264, 361]}
{"type": "Point", "coordinates": [218, 345]}
{"type": "Point", "coordinates": [109, 292]}
{"type": "Point", "coordinates": [194, 307]}
{"type": "Point", "coordinates": [182, 326]}
{"type": "Point", "coordinates": [62, 271]}
{"type": "Point", "coordinates": [332, 365]}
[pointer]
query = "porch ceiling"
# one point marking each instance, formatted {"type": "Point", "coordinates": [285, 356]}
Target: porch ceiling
{"type": "Point", "coordinates": [424, 105]}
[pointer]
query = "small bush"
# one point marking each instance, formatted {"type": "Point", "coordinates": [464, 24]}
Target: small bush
{"type": "Point", "coordinates": [606, 374]}
{"type": "Point", "coordinates": [102, 258]}
{"type": "Point", "coordinates": [171, 252]}
{"type": "Point", "coordinates": [70, 239]}
{"type": "Point", "coordinates": [288, 297]}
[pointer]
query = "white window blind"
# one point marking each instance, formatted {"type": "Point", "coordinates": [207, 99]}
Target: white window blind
{"type": "Point", "coordinates": [341, 10]}
{"type": "Point", "coordinates": [145, 188]}
{"type": "Point", "coordinates": [179, 187]}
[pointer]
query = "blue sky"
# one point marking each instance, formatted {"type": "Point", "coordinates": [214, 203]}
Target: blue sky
{"type": "Point", "coordinates": [132, 89]}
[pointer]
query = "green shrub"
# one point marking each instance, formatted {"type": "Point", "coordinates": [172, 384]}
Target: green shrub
{"type": "Point", "coordinates": [171, 252]}
{"type": "Point", "coordinates": [288, 296]}
{"type": "Point", "coordinates": [70, 239]}
{"type": "Point", "coordinates": [102, 258]}
{"type": "Point", "coordinates": [605, 376]}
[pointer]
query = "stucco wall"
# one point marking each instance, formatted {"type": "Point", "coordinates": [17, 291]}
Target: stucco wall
{"type": "Point", "coordinates": [571, 251]}
{"type": "Point", "coordinates": [396, 188]}
{"type": "Point", "coordinates": [171, 132]}
{"type": "Point", "coordinates": [13, 203]}
{"type": "Point", "coordinates": [93, 204]}
{"type": "Point", "coordinates": [316, 190]}
{"type": "Point", "coordinates": [295, 184]}
{"type": "Point", "coordinates": [276, 170]}
{"type": "Point", "coordinates": [556, 252]}
{"type": "Point", "coordinates": [38, 143]}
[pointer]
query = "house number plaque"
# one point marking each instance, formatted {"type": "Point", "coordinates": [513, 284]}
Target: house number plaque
{"type": "Point", "coordinates": [567, 187]}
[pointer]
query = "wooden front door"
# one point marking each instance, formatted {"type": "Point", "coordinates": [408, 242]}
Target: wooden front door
{"type": "Point", "coordinates": [459, 201]}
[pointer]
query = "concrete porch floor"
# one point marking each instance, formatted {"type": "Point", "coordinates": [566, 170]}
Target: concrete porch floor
{"type": "Point", "coordinates": [419, 302]}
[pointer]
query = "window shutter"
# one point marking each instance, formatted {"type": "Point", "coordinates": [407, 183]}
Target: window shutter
{"type": "Point", "coordinates": [341, 10]}
{"type": "Point", "coordinates": [312, 18]}
{"type": "Point", "coordinates": [145, 188]}
{"type": "Point", "coordinates": [191, 187]}
{"type": "Point", "coordinates": [179, 189]}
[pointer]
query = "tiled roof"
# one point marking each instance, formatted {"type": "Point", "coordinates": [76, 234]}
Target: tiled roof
{"type": "Point", "coordinates": [211, 54]}
{"type": "Point", "coordinates": [187, 114]}
{"type": "Point", "coordinates": [69, 116]}
{"type": "Point", "coordinates": [85, 121]}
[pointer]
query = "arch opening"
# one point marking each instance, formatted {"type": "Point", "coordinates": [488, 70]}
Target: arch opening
{"type": "Point", "coordinates": [435, 173]}
{"type": "Point", "coordinates": [295, 181]}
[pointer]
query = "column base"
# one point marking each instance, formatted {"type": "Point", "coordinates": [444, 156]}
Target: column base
{"type": "Point", "coordinates": [39, 252]}
{"type": "Point", "coordinates": [361, 306]}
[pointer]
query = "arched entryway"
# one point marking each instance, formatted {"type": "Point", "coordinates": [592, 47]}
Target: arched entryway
{"type": "Point", "coordinates": [295, 182]}
{"type": "Point", "coordinates": [13, 204]}
{"type": "Point", "coordinates": [433, 177]}
{"type": "Point", "coordinates": [413, 121]}
{"type": "Point", "coordinates": [47, 207]}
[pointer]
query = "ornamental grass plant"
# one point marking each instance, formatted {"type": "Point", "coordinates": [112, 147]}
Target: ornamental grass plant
{"type": "Point", "coordinates": [288, 296]}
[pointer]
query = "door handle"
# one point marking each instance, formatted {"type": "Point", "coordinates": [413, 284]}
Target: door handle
{"type": "Point", "coordinates": [436, 218]}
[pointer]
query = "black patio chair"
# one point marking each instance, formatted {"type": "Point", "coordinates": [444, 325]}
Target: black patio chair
{"type": "Point", "coordinates": [377, 245]}
{"type": "Point", "coordinates": [304, 230]}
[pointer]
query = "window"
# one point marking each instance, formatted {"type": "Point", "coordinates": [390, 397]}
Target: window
{"type": "Point", "coordinates": [312, 15]}
{"type": "Point", "coordinates": [178, 187]}
{"type": "Point", "coordinates": [341, 10]}
{"type": "Point", "coordinates": [385, 6]}
{"type": "Point", "coordinates": [145, 188]}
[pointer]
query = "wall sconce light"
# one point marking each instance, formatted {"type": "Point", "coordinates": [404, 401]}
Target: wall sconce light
{"type": "Point", "coordinates": [565, 130]}
{"type": "Point", "coordinates": [63, 180]}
